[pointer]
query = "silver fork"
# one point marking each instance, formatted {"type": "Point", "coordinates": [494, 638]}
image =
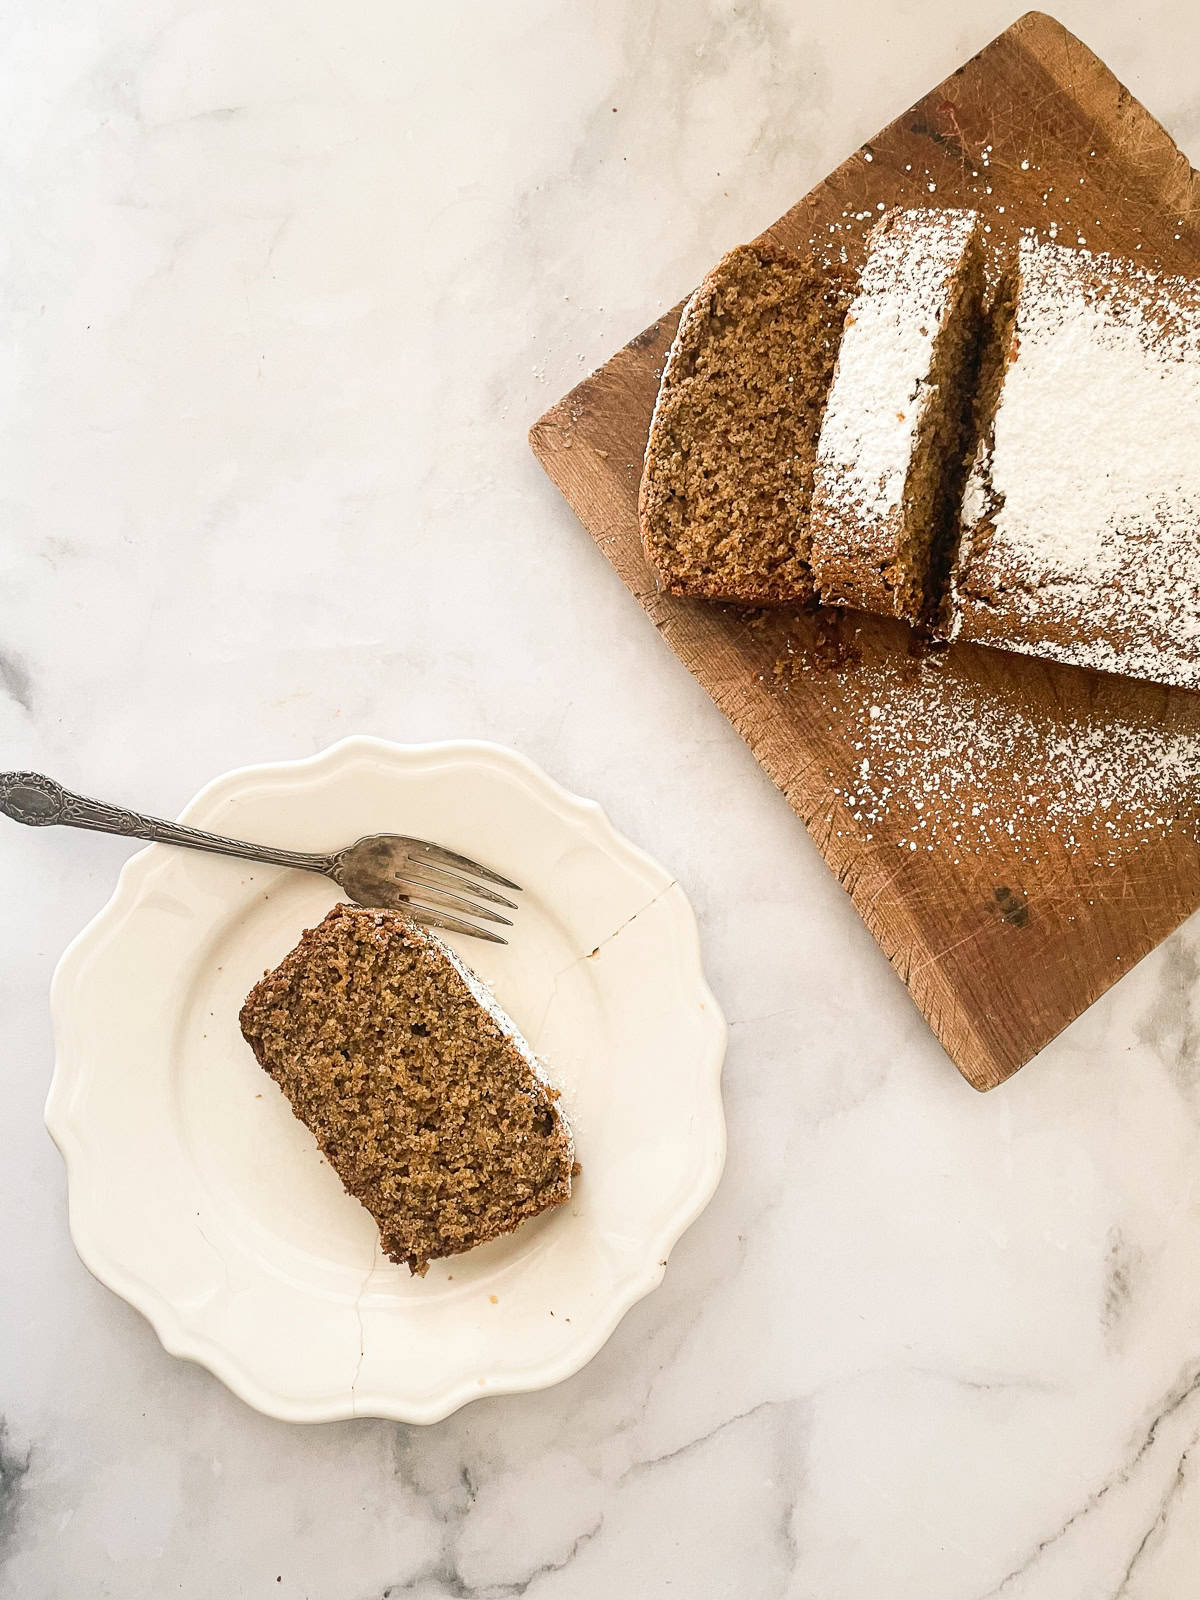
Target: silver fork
{"type": "Point", "coordinates": [384, 869]}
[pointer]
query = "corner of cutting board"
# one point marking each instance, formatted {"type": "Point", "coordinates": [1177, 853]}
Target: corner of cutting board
{"type": "Point", "coordinates": [1037, 19]}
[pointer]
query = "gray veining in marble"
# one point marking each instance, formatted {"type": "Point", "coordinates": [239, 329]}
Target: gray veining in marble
{"type": "Point", "coordinates": [283, 286]}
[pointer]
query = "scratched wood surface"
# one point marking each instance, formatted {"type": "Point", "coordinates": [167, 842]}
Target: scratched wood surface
{"type": "Point", "coordinates": [1016, 835]}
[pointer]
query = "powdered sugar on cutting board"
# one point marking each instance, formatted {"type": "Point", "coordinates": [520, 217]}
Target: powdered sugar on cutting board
{"type": "Point", "coordinates": [1083, 517]}
{"type": "Point", "coordinates": [945, 762]}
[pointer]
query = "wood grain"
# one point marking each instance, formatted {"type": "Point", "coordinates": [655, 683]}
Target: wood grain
{"type": "Point", "coordinates": [1028, 850]}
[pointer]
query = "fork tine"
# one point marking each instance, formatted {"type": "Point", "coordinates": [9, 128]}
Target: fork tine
{"type": "Point", "coordinates": [448, 858]}
{"type": "Point", "coordinates": [459, 883]}
{"type": "Point", "coordinates": [450, 900]}
{"type": "Point", "coordinates": [435, 919]}
{"type": "Point", "coordinates": [395, 898]}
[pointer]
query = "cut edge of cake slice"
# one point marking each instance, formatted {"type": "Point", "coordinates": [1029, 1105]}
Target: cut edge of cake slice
{"type": "Point", "coordinates": [419, 1089]}
{"type": "Point", "coordinates": [897, 422]}
{"type": "Point", "coordinates": [727, 478]}
{"type": "Point", "coordinates": [974, 514]}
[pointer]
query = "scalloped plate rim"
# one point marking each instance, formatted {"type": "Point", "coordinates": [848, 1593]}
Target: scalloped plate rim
{"type": "Point", "coordinates": [169, 1323]}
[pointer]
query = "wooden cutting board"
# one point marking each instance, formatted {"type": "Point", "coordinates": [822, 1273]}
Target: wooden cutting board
{"type": "Point", "coordinates": [1016, 835]}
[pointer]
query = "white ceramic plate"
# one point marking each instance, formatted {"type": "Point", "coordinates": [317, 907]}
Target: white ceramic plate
{"type": "Point", "coordinates": [198, 1197]}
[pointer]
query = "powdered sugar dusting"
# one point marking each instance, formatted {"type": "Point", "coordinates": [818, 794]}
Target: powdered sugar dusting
{"type": "Point", "coordinates": [1083, 520]}
{"type": "Point", "coordinates": [944, 763]}
{"type": "Point", "coordinates": [880, 387]}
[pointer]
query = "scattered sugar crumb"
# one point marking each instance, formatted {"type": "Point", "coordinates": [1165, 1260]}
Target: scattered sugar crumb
{"type": "Point", "coordinates": [951, 765]}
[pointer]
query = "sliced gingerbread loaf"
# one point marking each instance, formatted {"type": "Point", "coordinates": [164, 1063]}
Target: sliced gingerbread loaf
{"type": "Point", "coordinates": [420, 1091]}
{"type": "Point", "coordinates": [1081, 518]}
{"type": "Point", "coordinates": [729, 465]}
{"type": "Point", "coordinates": [898, 416]}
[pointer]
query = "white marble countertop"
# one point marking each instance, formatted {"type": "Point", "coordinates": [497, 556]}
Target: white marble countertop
{"type": "Point", "coordinates": [284, 285]}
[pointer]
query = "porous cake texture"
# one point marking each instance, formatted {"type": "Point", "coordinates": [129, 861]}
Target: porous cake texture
{"type": "Point", "coordinates": [1081, 516]}
{"type": "Point", "coordinates": [898, 414]}
{"type": "Point", "coordinates": [727, 481]}
{"type": "Point", "coordinates": [427, 1102]}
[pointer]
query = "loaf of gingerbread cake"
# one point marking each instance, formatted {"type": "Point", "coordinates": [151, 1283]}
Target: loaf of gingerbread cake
{"type": "Point", "coordinates": [897, 417]}
{"type": "Point", "coordinates": [422, 1094]}
{"type": "Point", "coordinates": [727, 479]}
{"type": "Point", "coordinates": [1081, 516]}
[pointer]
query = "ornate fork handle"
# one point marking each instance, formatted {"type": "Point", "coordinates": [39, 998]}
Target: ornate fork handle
{"type": "Point", "coordinates": [39, 802]}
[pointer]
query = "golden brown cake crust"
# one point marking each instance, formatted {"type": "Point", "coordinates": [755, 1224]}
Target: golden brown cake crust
{"type": "Point", "coordinates": [728, 473]}
{"type": "Point", "coordinates": [426, 1103]}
